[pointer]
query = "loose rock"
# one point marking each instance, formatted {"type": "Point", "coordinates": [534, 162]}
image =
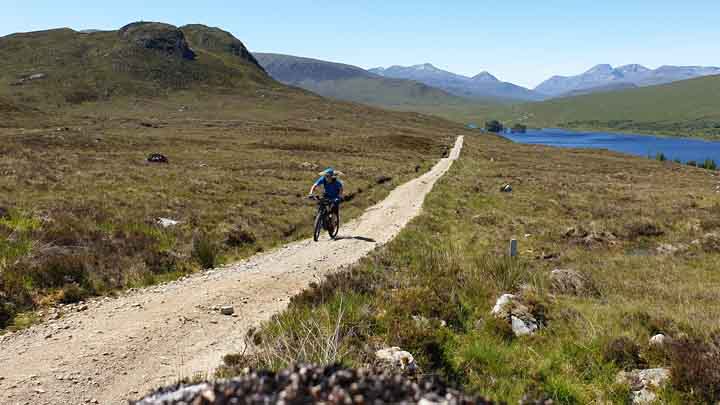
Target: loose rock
{"type": "Point", "coordinates": [157, 158]}
{"type": "Point", "coordinates": [396, 358]}
{"type": "Point", "coordinates": [510, 308]}
{"type": "Point", "coordinates": [227, 310]}
{"type": "Point", "coordinates": [659, 340]}
{"type": "Point", "coordinates": [571, 282]}
{"type": "Point", "coordinates": [644, 384]}
{"type": "Point", "coordinates": [167, 222]}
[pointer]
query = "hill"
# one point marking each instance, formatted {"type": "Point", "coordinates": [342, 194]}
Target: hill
{"type": "Point", "coordinates": [483, 86]}
{"type": "Point", "coordinates": [351, 83]}
{"type": "Point", "coordinates": [602, 77]}
{"type": "Point", "coordinates": [686, 107]}
{"type": "Point", "coordinates": [55, 68]}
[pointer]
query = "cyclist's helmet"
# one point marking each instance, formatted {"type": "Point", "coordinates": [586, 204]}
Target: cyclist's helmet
{"type": "Point", "coordinates": [329, 172]}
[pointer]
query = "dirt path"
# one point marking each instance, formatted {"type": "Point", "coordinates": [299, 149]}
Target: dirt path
{"type": "Point", "coordinates": [120, 348]}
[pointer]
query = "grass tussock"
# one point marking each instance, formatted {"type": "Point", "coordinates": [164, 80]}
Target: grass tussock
{"type": "Point", "coordinates": [430, 291]}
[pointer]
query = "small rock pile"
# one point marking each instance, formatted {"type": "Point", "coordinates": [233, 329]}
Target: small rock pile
{"type": "Point", "coordinates": [310, 384]}
{"type": "Point", "coordinates": [644, 384]}
{"type": "Point", "coordinates": [511, 308]}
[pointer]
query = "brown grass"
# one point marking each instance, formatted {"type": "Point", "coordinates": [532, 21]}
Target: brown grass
{"type": "Point", "coordinates": [239, 166]}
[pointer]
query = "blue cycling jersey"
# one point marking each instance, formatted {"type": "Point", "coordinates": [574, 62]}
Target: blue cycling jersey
{"type": "Point", "coordinates": [332, 188]}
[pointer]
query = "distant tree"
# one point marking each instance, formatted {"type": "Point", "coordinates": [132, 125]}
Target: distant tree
{"type": "Point", "coordinates": [661, 157]}
{"type": "Point", "coordinates": [494, 126]}
{"type": "Point", "coordinates": [709, 164]}
{"type": "Point", "coordinates": [519, 128]}
{"type": "Point", "coordinates": [691, 163]}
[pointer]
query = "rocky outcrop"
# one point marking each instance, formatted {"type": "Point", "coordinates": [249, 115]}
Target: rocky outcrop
{"type": "Point", "coordinates": [164, 38]}
{"type": "Point", "coordinates": [219, 41]}
{"type": "Point", "coordinates": [510, 308]}
{"type": "Point", "coordinates": [308, 385]}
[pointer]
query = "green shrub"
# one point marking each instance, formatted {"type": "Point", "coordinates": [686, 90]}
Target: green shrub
{"type": "Point", "coordinates": [240, 235]}
{"type": "Point", "coordinates": [505, 273]}
{"type": "Point", "coordinates": [708, 164]}
{"type": "Point", "coordinates": [494, 126]}
{"type": "Point", "coordinates": [73, 293]}
{"type": "Point", "coordinates": [695, 368]}
{"type": "Point", "coordinates": [624, 353]}
{"type": "Point", "coordinates": [205, 250]}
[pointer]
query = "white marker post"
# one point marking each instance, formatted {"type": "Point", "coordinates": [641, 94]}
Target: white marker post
{"type": "Point", "coordinates": [513, 248]}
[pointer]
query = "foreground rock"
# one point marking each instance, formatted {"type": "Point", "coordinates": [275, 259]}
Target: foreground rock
{"type": "Point", "coordinates": [644, 384]}
{"type": "Point", "coordinates": [510, 308]}
{"type": "Point", "coordinates": [308, 385]}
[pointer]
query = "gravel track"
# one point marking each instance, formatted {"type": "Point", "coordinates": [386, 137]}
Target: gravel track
{"type": "Point", "coordinates": [114, 349]}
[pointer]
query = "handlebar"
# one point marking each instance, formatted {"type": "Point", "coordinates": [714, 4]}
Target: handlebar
{"type": "Point", "coordinates": [318, 198]}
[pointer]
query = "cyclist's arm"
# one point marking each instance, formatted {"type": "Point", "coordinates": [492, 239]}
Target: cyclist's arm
{"type": "Point", "coordinates": [312, 189]}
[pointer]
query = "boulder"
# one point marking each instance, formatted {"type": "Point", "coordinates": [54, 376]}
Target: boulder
{"type": "Point", "coordinates": [227, 310]}
{"type": "Point", "coordinates": [659, 340]}
{"type": "Point", "coordinates": [157, 158]}
{"type": "Point", "coordinates": [644, 384]}
{"type": "Point", "coordinates": [668, 249]}
{"type": "Point", "coordinates": [511, 309]}
{"type": "Point", "coordinates": [167, 222]}
{"type": "Point", "coordinates": [397, 358]}
{"type": "Point", "coordinates": [571, 282]}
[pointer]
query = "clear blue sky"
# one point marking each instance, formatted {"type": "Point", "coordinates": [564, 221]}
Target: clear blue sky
{"type": "Point", "coordinates": [523, 41]}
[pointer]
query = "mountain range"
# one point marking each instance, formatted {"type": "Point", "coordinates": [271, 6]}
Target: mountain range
{"type": "Point", "coordinates": [351, 83]}
{"type": "Point", "coordinates": [483, 85]}
{"type": "Point", "coordinates": [603, 78]}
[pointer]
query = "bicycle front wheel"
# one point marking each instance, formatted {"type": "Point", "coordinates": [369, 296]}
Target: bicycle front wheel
{"type": "Point", "coordinates": [318, 226]}
{"type": "Point", "coordinates": [334, 227]}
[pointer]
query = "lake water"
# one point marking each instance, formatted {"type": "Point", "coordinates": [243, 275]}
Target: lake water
{"type": "Point", "coordinates": [685, 149]}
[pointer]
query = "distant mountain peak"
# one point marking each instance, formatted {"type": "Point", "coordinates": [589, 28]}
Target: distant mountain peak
{"type": "Point", "coordinates": [602, 68]}
{"type": "Point", "coordinates": [424, 66]}
{"type": "Point", "coordinates": [633, 68]}
{"type": "Point", "coordinates": [603, 77]}
{"type": "Point", "coordinates": [485, 77]}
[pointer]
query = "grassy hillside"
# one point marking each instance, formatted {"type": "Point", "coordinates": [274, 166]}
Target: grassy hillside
{"type": "Point", "coordinates": [687, 108]}
{"type": "Point", "coordinates": [79, 202]}
{"type": "Point", "coordinates": [56, 68]}
{"type": "Point", "coordinates": [644, 236]}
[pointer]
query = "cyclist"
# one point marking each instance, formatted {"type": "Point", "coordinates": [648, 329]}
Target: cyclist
{"type": "Point", "coordinates": [332, 187]}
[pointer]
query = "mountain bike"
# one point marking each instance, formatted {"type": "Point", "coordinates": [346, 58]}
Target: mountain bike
{"type": "Point", "coordinates": [325, 218]}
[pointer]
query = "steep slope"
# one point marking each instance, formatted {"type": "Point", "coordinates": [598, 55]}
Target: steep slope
{"type": "Point", "coordinates": [602, 77]}
{"type": "Point", "coordinates": [482, 86]}
{"type": "Point", "coordinates": [680, 108]}
{"type": "Point", "coordinates": [351, 83]}
{"type": "Point", "coordinates": [63, 67]}
{"type": "Point", "coordinates": [295, 69]}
